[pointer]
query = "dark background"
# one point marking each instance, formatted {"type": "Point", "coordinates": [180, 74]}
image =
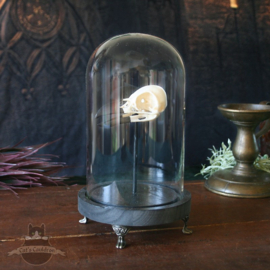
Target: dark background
{"type": "Point", "coordinates": [45, 46]}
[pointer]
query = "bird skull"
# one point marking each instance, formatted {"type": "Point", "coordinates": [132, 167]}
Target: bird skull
{"type": "Point", "coordinates": [145, 104]}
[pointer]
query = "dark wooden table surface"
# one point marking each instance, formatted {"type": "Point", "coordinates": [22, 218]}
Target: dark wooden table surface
{"type": "Point", "coordinates": [228, 233]}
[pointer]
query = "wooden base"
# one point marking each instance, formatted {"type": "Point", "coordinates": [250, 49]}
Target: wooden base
{"type": "Point", "coordinates": [139, 216]}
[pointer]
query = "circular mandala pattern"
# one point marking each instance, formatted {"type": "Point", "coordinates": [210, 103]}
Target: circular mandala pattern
{"type": "Point", "coordinates": [41, 19]}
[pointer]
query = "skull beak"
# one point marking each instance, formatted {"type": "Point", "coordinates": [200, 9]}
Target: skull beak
{"type": "Point", "coordinates": [110, 119]}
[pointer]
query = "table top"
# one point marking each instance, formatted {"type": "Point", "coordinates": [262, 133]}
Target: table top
{"type": "Point", "coordinates": [228, 233]}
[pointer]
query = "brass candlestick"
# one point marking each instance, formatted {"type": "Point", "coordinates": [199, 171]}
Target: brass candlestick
{"type": "Point", "coordinates": [244, 180]}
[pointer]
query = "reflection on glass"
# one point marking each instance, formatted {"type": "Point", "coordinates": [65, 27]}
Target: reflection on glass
{"type": "Point", "coordinates": [136, 103]}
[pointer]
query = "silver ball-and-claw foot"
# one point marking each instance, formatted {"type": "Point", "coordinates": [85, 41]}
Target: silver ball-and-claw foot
{"type": "Point", "coordinates": [121, 232]}
{"type": "Point", "coordinates": [84, 220]}
{"type": "Point", "coordinates": [185, 229]}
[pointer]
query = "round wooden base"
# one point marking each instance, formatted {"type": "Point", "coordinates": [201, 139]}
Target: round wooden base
{"type": "Point", "coordinates": [137, 216]}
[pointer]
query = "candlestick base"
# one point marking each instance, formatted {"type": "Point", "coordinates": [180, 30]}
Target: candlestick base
{"type": "Point", "coordinates": [227, 183]}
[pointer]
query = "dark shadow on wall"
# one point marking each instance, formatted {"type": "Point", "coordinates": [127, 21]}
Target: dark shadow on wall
{"type": "Point", "coordinates": [229, 63]}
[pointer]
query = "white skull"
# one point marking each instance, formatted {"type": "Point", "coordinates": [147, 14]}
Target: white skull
{"type": "Point", "coordinates": [145, 104]}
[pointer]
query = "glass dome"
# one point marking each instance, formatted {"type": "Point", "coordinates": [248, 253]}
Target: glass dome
{"type": "Point", "coordinates": [135, 122]}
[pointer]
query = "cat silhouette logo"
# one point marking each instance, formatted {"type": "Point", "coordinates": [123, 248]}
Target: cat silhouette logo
{"type": "Point", "coordinates": [36, 249]}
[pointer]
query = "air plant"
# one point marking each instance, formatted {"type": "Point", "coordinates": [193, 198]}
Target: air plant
{"type": "Point", "coordinates": [223, 159]}
{"type": "Point", "coordinates": [263, 163]}
{"type": "Point", "coordinates": [22, 167]}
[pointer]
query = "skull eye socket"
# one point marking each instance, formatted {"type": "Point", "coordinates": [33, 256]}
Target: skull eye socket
{"type": "Point", "coordinates": [146, 101]}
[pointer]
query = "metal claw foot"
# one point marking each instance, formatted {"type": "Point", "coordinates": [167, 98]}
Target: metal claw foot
{"type": "Point", "coordinates": [185, 229]}
{"type": "Point", "coordinates": [121, 232]}
{"type": "Point", "coordinates": [84, 220]}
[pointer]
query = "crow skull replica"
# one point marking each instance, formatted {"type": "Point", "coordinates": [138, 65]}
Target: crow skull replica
{"type": "Point", "coordinates": [145, 104]}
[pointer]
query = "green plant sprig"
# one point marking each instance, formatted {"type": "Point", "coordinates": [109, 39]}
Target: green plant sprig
{"type": "Point", "coordinates": [223, 159]}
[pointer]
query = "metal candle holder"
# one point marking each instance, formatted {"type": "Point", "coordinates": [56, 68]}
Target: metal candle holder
{"type": "Point", "coordinates": [244, 180]}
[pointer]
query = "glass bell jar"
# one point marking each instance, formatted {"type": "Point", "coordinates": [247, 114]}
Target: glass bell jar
{"type": "Point", "coordinates": [135, 86]}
